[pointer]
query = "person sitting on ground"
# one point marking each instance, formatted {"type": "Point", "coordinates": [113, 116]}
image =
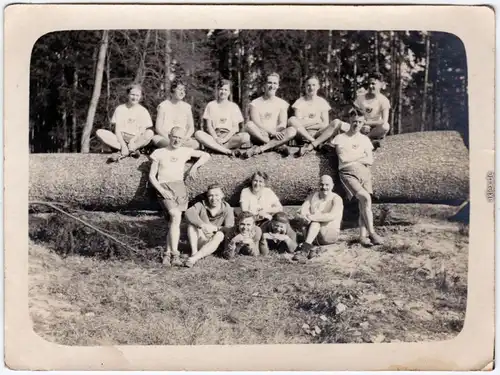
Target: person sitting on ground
{"type": "Point", "coordinates": [167, 177]}
{"type": "Point", "coordinates": [321, 215]}
{"type": "Point", "coordinates": [279, 235]}
{"type": "Point", "coordinates": [260, 200]}
{"type": "Point", "coordinates": [311, 115]}
{"type": "Point", "coordinates": [175, 112]}
{"type": "Point", "coordinates": [207, 221]}
{"type": "Point", "coordinates": [375, 107]}
{"type": "Point", "coordinates": [245, 238]}
{"type": "Point", "coordinates": [268, 121]}
{"type": "Point", "coordinates": [133, 127]}
{"type": "Point", "coordinates": [355, 155]}
{"type": "Point", "coordinates": [222, 123]}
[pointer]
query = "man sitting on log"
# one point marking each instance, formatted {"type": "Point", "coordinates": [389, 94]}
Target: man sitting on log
{"type": "Point", "coordinates": [207, 222]}
{"type": "Point", "coordinates": [175, 112]}
{"type": "Point", "coordinates": [167, 177]}
{"type": "Point", "coordinates": [321, 214]}
{"type": "Point", "coordinates": [311, 115]}
{"type": "Point", "coordinates": [268, 121]}
{"type": "Point", "coordinates": [222, 119]}
{"type": "Point", "coordinates": [133, 127]}
{"type": "Point", "coordinates": [375, 107]}
{"type": "Point", "coordinates": [355, 155]}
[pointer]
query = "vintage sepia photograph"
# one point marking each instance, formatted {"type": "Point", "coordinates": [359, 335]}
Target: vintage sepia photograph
{"type": "Point", "coordinates": [324, 199]}
{"type": "Point", "coordinates": [218, 186]}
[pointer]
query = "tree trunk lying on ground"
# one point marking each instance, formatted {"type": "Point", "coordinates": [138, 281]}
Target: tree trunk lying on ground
{"type": "Point", "coordinates": [428, 167]}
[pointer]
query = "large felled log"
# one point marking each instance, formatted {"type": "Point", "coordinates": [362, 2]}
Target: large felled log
{"type": "Point", "coordinates": [415, 167]}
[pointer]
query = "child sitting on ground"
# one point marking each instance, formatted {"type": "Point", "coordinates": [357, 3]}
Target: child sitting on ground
{"type": "Point", "coordinates": [245, 238]}
{"type": "Point", "coordinates": [279, 235]}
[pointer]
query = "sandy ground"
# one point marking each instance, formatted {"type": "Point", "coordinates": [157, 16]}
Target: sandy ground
{"type": "Point", "coordinates": [413, 288]}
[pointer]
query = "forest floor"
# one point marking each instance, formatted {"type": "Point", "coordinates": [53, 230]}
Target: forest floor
{"type": "Point", "coordinates": [412, 288]}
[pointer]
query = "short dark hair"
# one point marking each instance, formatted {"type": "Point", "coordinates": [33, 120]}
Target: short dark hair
{"type": "Point", "coordinates": [245, 215]}
{"type": "Point", "coordinates": [355, 112]}
{"type": "Point", "coordinates": [176, 83]}
{"type": "Point", "coordinates": [223, 82]}
{"type": "Point", "coordinates": [134, 86]}
{"type": "Point", "coordinates": [280, 217]}
{"type": "Point", "coordinates": [214, 186]}
{"type": "Point", "coordinates": [376, 75]}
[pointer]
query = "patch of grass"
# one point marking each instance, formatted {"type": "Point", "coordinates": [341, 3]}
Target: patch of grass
{"type": "Point", "coordinates": [348, 294]}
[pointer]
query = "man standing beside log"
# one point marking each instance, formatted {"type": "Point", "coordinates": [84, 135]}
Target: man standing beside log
{"type": "Point", "coordinates": [167, 177]}
{"type": "Point", "coordinates": [321, 215]}
{"type": "Point", "coordinates": [355, 155]}
{"type": "Point", "coordinates": [268, 121]}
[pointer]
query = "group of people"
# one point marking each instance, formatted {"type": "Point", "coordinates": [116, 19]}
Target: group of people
{"type": "Point", "coordinates": [225, 132]}
{"type": "Point", "coordinates": [262, 225]}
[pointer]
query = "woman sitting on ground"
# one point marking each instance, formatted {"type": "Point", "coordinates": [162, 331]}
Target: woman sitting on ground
{"type": "Point", "coordinates": [260, 200]}
{"type": "Point", "coordinates": [133, 127]}
{"type": "Point", "coordinates": [175, 112]}
{"type": "Point", "coordinates": [222, 119]}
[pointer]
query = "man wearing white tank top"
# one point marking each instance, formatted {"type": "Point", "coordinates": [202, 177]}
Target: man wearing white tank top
{"type": "Point", "coordinates": [321, 215]}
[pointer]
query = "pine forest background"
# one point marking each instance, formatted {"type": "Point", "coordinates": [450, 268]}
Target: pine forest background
{"type": "Point", "coordinates": [77, 78]}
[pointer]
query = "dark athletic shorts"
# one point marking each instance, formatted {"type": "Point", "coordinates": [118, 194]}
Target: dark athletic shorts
{"type": "Point", "coordinates": [354, 178]}
{"type": "Point", "coordinates": [179, 195]}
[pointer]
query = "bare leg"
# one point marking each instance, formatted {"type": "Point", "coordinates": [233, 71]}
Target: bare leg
{"type": "Point", "coordinates": [141, 140]}
{"type": "Point", "coordinates": [365, 210]}
{"type": "Point", "coordinates": [192, 234]}
{"type": "Point", "coordinates": [256, 133]}
{"type": "Point", "coordinates": [301, 130]}
{"type": "Point", "coordinates": [209, 248]}
{"type": "Point", "coordinates": [160, 141]}
{"type": "Point", "coordinates": [327, 133]}
{"type": "Point", "coordinates": [174, 231]}
{"type": "Point", "coordinates": [108, 138]}
{"type": "Point", "coordinates": [322, 137]}
{"type": "Point", "coordinates": [290, 133]}
{"type": "Point", "coordinates": [362, 227]}
{"type": "Point", "coordinates": [237, 140]}
{"type": "Point", "coordinates": [208, 141]}
{"type": "Point", "coordinates": [312, 232]}
{"type": "Point", "coordinates": [192, 143]}
{"type": "Point", "coordinates": [379, 131]}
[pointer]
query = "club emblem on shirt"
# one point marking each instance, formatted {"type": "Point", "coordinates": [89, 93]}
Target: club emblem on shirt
{"type": "Point", "coordinates": [130, 120]}
{"type": "Point", "coordinates": [368, 109]}
{"type": "Point", "coordinates": [173, 159]}
{"type": "Point", "coordinates": [355, 146]}
{"type": "Point", "coordinates": [267, 115]}
{"type": "Point", "coordinates": [223, 120]}
{"type": "Point", "coordinates": [312, 115]}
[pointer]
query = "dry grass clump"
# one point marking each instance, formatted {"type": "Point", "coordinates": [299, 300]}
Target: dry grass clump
{"type": "Point", "coordinates": [413, 288]}
{"type": "Point", "coordinates": [67, 236]}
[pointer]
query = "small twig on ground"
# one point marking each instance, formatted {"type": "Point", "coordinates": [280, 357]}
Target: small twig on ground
{"type": "Point", "coordinates": [81, 221]}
